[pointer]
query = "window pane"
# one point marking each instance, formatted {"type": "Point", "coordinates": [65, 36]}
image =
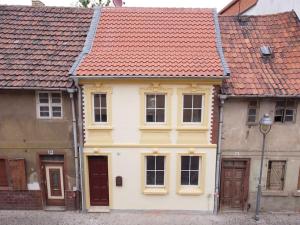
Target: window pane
{"type": "Point", "coordinates": [187, 115]}
{"type": "Point", "coordinates": [43, 98]}
{"type": "Point", "coordinates": [194, 178]}
{"type": "Point", "coordinates": [56, 111]}
{"type": "Point", "coordinates": [103, 115]}
{"type": "Point", "coordinates": [150, 178]}
{"type": "Point", "coordinates": [56, 98]}
{"type": "Point", "coordinates": [44, 114]}
{"type": "Point", "coordinates": [44, 111]}
{"type": "Point", "coordinates": [197, 115]}
{"type": "Point", "coordinates": [160, 101]}
{"type": "Point", "coordinates": [103, 100]}
{"type": "Point", "coordinates": [280, 104]}
{"type": "Point", "coordinates": [187, 101]}
{"type": "Point", "coordinates": [150, 162]}
{"type": "Point", "coordinates": [289, 118]}
{"type": "Point", "coordinates": [97, 115]}
{"type": "Point", "coordinates": [150, 101]}
{"type": "Point", "coordinates": [197, 101]}
{"type": "Point", "coordinates": [252, 112]}
{"type": "Point", "coordinates": [160, 161]}
{"type": "Point", "coordinates": [96, 100]}
{"type": "Point", "coordinates": [159, 177]}
{"type": "Point", "coordinates": [185, 162]}
{"type": "Point", "coordinates": [184, 178]}
{"type": "Point", "coordinates": [253, 104]}
{"type": "Point", "coordinates": [194, 162]}
{"type": "Point", "coordinates": [160, 115]}
{"type": "Point", "coordinates": [150, 117]}
{"type": "Point", "coordinates": [251, 119]}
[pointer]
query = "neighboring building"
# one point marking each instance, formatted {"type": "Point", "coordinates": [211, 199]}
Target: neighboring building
{"type": "Point", "coordinates": [38, 46]}
{"type": "Point", "coordinates": [260, 7]}
{"type": "Point", "coordinates": [263, 54]}
{"type": "Point", "coordinates": [150, 84]}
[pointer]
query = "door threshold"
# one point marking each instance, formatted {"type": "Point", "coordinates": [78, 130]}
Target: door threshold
{"type": "Point", "coordinates": [55, 208]}
{"type": "Point", "coordinates": [99, 209]}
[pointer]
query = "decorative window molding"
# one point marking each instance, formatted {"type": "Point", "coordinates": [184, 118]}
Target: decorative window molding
{"type": "Point", "coordinates": [252, 112]}
{"type": "Point", "coordinates": [49, 105]}
{"type": "Point", "coordinates": [189, 185]}
{"type": "Point", "coordinates": [151, 173]}
{"type": "Point", "coordinates": [195, 90]}
{"type": "Point", "coordinates": [155, 89]}
{"type": "Point", "coordinates": [90, 92]}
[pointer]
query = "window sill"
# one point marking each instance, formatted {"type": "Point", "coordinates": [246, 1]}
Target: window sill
{"type": "Point", "coordinates": [252, 124]}
{"type": "Point", "coordinates": [275, 193]}
{"type": "Point", "coordinates": [155, 191]}
{"type": "Point", "coordinates": [99, 127]}
{"type": "Point", "coordinates": [155, 128]}
{"type": "Point", "coordinates": [189, 191]}
{"type": "Point", "coordinates": [191, 128]}
{"type": "Point", "coordinates": [297, 193]}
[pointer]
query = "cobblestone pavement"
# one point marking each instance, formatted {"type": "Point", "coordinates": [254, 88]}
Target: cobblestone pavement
{"type": "Point", "coordinates": [141, 218]}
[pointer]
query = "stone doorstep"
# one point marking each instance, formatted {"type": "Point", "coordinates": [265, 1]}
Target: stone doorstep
{"type": "Point", "coordinates": [55, 208]}
{"type": "Point", "coordinates": [98, 209]}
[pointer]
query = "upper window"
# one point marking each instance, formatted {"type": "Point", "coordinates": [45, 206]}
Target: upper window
{"type": "Point", "coordinates": [3, 173]}
{"type": "Point", "coordinates": [190, 170]}
{"type": "Point", "coordinates": [155, 170]}
{"type": "Point", "coordinates": [100, 108]}
{"type": "Point", "coordinates": [192, 108]}
{"type": "Point", "coordinates": [252, 111]}
{"type": "Point", "coordinates": [49, 105]}
{"type": "Point", "coordinates": [155, 108]}
{"type": "Point", "coordinates": [276, 175]}
{"type": "Point", "coordinates": [285, 111]}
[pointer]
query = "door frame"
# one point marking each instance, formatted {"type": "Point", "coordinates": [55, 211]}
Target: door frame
{"type": "Point", "coordinates": [42, 175]}
{"type": "Point", "coordinates": [245, 181]}
{"type": "Point", "coordinates": [87, 181]}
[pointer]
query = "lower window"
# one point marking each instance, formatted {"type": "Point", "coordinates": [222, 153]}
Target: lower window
{"type": "Point", "coordinates": [155, 170]}
{"type": "Point", "coordinates": [276, 175]}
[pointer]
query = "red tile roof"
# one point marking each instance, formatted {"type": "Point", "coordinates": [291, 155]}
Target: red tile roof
{"type": "Point", "coordinates": [38, 45]}
{"type": "Point", "coordinates": [154, 42]}
{"type": "Point", "coordinates": [251, 74]}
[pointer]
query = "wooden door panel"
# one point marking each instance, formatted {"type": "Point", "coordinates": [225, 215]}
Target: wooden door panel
{"type": "Point", "coordinates": [98, 179]}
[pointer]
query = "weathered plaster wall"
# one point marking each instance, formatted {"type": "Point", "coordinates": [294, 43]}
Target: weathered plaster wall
{"type": "Point", "coordinates": [242, 141]}
{"type": "Point", "coordinates": [22, 135]}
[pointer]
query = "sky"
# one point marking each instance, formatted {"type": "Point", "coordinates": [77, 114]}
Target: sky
{"type": "Point", "coordinates": [219, 4]}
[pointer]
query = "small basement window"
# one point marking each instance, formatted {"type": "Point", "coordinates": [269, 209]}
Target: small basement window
{"type": "Point", "coordinates": [285, 111]}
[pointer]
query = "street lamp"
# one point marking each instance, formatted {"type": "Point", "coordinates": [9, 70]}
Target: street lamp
{"type": "Point", "coordinates": [265, 125]}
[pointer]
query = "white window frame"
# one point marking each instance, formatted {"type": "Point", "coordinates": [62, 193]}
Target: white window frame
{"type": "Point", "coordinates": [182, 110]}
{"type": "Point", "coordinates": [146, 161]}
{"type": "Point", "coordinates": [165, 108]}
{"type": "Point", "coordinates": [189, 170]}
{"type": "Point", "coordinates": [93, 107]}
{"type": "Point", "coordinates": [49, 104]}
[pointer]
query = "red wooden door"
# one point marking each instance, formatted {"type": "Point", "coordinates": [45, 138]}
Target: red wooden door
{"type": "Point", "coordinates": [98, 178]}
{"type": "Point", "coordinates": [234, 184]}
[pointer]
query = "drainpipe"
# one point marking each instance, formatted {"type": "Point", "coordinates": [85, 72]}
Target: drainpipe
{"type": "Point", "coordinates": [71, 91]}
{"type": "Point", "coordinates": [81, 156]}
{"type": "Point", "coordinates": [218, 160]}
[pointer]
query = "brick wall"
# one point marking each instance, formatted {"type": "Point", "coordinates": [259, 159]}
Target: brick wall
{"type": "Point", "coordinates": [21, 200]}
{"type": "Point", "coordinates": [215, 115]}
{"type": "Point", "coordinates": [72, 200]}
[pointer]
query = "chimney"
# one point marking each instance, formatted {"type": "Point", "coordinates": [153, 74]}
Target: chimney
{"type": "Point", "coordinates": [118, 3]}
{"type": "Point", "coordinates": [37, 3]}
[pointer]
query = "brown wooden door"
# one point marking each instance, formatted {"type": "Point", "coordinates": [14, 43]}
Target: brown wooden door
{"type": "Point", "coordinates": [54, 184]}
{"type": "Point", "coordinates": [98, 178]}
{"type": "Point", "coordinates": [234, 184]}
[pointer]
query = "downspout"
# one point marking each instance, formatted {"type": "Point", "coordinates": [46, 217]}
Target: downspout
{"type": "Point", "coordinates": [71, 91]}
{"type": "Point", "coordinates": [218, 156]}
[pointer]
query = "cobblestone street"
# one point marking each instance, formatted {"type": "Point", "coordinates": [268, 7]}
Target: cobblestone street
{"type": "Point", "coordinates": [141, 218]}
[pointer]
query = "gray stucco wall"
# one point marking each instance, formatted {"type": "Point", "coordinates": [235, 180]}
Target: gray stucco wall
{"type": "Point", "coordinates": [23, 135]}
{"type": "Point", "coordinates": [283, 143]}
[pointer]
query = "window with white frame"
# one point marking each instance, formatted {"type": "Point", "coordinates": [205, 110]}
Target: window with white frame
{"type": "Point", "coordinates": [155, 170]}
{"type": "Point", "coordinates": [155, 108]}
{"type": "Point", "coordinates": [49, 105]}
{"type": "Point", "coordinates": [100, 108]}
{"type": "Point", "coordinates": [285, 111]}
{"type": "Point", "coordinates": [192, 108]}
{"type": "Point", "coordinates": [190, 170]}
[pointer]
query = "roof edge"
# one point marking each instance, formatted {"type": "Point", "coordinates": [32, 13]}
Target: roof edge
{"type": "Point", "coordinates": [261, 96]}
{"type": "Point", "coordinates": [146, 77]}
{"type": "Point", "coordinates": [219, 44]}
{"type": "Point", "coordinates": [88, 41]}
